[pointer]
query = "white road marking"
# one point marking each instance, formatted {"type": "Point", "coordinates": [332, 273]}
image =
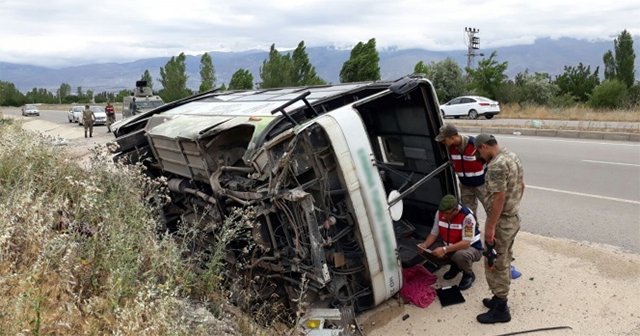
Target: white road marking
{"type": "Point", "coordinates": [613, 163]}
{"type": "Point", "coordinates": [584, 195]}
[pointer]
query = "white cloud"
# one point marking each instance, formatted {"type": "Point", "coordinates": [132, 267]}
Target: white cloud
{"type": "Point", "coordinates": [66, 32]}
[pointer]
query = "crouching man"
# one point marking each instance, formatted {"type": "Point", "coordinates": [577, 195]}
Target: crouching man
{"type": "Point", "coordinates": [454, 240]}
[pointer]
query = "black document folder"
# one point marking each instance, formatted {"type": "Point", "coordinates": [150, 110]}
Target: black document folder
{"type": "Point", "coordinates": [449, 295]}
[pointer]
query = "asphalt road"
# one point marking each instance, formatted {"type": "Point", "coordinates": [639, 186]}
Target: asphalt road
{"type": "Point", "coordinates": [618, 126]}
{"type": "Point", "coordinates": [580, 189]}
{"type": "Point", "coordinates": [58, 117]}
{"type": "Point", "coordinates": [586, 190]}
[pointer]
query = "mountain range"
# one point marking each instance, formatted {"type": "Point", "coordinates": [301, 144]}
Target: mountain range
{"type": "Point", "coordinates": [544, 55]}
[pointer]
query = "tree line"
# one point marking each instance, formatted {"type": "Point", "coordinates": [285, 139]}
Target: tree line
{"type": "Point", "coordinates": [577, 84]}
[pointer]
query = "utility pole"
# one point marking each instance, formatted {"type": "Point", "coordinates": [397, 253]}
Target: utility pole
{"type": "Point", "coordinates": [473, 43]}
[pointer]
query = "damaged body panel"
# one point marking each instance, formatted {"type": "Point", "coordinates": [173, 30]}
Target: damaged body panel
{"type": "Point", "coordinates": [317, 164]}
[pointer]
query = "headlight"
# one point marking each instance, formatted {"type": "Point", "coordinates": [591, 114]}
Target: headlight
{"type": "Point", "coordinates": [313, 324]}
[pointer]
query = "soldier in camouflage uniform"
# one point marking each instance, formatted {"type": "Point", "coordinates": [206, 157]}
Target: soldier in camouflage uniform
{"type": "Point", "coordinates": [87, 120]}
{"type": "Point", "coordinates": [505, 186]}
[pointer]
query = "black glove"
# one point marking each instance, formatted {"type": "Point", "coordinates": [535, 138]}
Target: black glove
{"type": "Point", "coordinates": [490, 253]}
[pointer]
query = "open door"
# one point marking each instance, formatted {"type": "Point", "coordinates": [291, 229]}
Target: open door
{"type": "Point", "coordinates": [402, 127]}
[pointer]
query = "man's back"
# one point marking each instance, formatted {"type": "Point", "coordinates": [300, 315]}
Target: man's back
{"type": "Point", "coordinates": [87, 115]}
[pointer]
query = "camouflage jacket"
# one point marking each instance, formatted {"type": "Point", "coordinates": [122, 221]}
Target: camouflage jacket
{"type": "Point", "coordinates": [87, 115]}
{"type": "Point", "coordinates": [505, 173]}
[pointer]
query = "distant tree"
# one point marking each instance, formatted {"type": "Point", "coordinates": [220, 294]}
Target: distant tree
{"type": "Point", "coordinates": [488, 77]}
{"type": "Point", "coordinates": [363, 63]}
{"type": "Point", "coordinates": [65, 90]}
{"type": "Point", "coordinates": [625, 58]}
{"type": "Point", "coordinates": [207, 73]}
{"type": "Point", "coordinates": [39, 95]}
{"type": "Point", "coordinates": [303, 72]}
{"type": "Point", "coordinates": [89, 95]}
{"type": "Point", "coordinates": [9, 95]}
{"type": "Point", "coordinates": [578, 81]}
{"type": "Point", "coordinates": [104, 96]}
{"type": "Point", "coordinates": [222, 88]}
{"type": "Point", "coordinates": [421, 68]}
{"type": "Point", "coordinates": [146, 76]}
{"type": "Point", "coordinates": [173, 77]}
{"type": "Point", "coordinates": [446, 76]}
{"type": "Point", "coordinates": [609, 65]}
{"type": "Point", "coordinates": [241, 80]}
{"type": "Point", "coordinates": [121, 94]}
{"type": "Point", "coordinates": [79, 94]}
{"type": "Point", "coordinates": [609, 94]}
{"type": "Point", "coordinates": [276, 70]}
{"type": "Point", "coordinates": [536, 88]}
{"type": "Point", "coordinates": [71, 99]}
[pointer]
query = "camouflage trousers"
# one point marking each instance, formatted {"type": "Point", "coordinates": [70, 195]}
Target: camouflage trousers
{"type": "Point", "coordinates": [88, 126]}
{"type": "Point", "coordinates": [469, 197]}
{"type": "Point", "coordinates": [499, 277]}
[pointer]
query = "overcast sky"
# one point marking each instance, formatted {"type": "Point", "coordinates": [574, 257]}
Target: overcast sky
{"type": "Point", "coordinates": [71, 32]}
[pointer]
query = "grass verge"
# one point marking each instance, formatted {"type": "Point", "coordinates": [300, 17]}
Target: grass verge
{"type": "Point", "coordinates": [80, 251]}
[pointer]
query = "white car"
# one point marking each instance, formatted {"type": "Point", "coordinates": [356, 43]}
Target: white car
{"type": "Point", "coordinates": [100, 114]}
{"type": "Point", "coordinates": [30, 109]}
{"type": "Point", "coordinates": [75, 113]}
{"type": "Point", "coordinates": [470, 106]}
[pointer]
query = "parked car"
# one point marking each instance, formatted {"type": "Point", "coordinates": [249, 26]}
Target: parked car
{"type": "Point", "coordinates": [30, 109]}
{"type": "Point", "coordinates": [470, 106]}
{"type": "Point", "coordinates": [98, 111]}
{"type": "Point", "coordinates": [75, 113]}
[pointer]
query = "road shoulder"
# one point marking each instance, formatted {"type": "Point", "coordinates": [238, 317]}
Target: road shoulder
{"type": "Point", "coordinates": [592, 288]}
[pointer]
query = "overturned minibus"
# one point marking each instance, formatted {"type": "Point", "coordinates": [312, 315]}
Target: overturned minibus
{"type": "Point", "coordinates": [344, 179]}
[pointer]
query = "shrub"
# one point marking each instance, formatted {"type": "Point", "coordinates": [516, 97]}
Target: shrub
{"type": "Point", "coordinates": [609, 94]}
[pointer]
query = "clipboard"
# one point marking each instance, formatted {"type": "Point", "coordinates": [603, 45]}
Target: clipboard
{"type": "Point", "coordinates": [423, 249]}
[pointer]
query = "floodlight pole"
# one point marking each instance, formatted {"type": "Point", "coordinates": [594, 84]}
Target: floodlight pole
{"type": "Point", "coordinates": [473, 43]}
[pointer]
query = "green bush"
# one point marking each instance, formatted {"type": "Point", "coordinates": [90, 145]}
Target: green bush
{"type": "Point", "coordinates": [562, 100]}
{"type": "Point", "coordinates": [609, 94]}
{"type": "Point", "coordinates": [633, 96]}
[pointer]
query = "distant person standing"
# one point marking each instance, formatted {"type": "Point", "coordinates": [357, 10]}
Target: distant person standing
{"type": "Point", "coordinates": [88, 117]}
{"type": "Point", "coordinates": [111, 116]}
{"type": "Point", "coordinates": [133, 107]}
{"type": "Point", "coordinates": [505, 187]}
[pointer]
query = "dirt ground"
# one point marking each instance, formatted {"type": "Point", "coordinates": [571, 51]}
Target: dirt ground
{"type": "Point", "coordinates": [71, 136]}
{"type": "Point", "coordinates": [593, 289]}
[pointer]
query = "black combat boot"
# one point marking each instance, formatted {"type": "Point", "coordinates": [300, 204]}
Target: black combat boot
{"type": "Point", "coordinates": [498, 313]}
{"type": "Point", "coordinates": [452, 272]}
{"type": "Point", "coordinates": [467, 280]}
{"type": "Point", "coordinates": [489, 303]}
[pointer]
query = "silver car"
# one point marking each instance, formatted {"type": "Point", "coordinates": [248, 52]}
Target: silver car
{"type": "Point", "coordinates": [75, 113]}
{"type": "Point", "coordinates": [29, 110]}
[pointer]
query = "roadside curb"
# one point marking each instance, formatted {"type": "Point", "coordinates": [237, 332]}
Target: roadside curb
{"type": "Point", "coordinates": [615, 136]}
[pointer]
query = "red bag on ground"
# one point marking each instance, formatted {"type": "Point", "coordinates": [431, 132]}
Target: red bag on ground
{"type": "Point", "coordinates": [416, 286]}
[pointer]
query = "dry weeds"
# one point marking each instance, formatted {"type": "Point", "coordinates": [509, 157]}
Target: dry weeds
{"type": "Point", "coordinates": [581, 113]}
{"type": "Point", "coordinates": [80, 251]}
